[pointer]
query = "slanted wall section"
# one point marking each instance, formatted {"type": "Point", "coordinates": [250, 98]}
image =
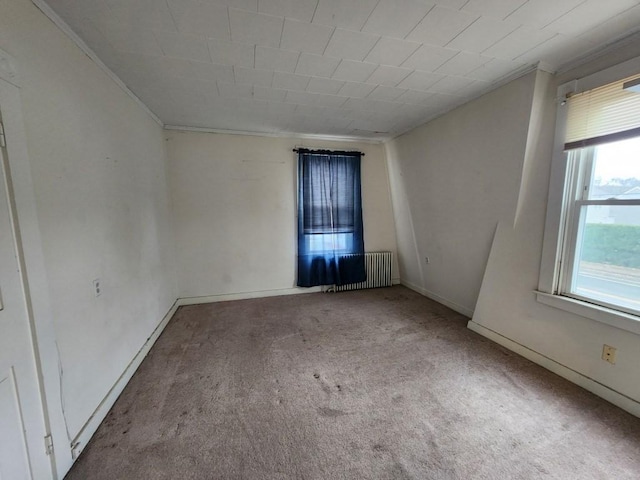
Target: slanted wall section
{"type": "Point", "coordinates": [452, 180]}
{"type": "Point", "coordinates": [507, 310]}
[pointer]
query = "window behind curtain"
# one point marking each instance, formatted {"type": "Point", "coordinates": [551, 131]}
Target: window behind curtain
{"type": "Point", "coordinates": [330, 233]}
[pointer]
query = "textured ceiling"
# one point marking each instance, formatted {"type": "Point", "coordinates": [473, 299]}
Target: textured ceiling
{"type": "Point", "coordinates": [361, 68]}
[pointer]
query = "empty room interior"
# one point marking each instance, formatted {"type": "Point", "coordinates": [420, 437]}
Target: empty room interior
{"type": "Point", "coordinates": [319, 239]}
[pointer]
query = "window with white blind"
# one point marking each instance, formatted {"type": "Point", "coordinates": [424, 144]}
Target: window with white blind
{"type": "Point", "coordinates": [591, 255]}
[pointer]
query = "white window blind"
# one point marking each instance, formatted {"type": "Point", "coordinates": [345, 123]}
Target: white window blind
{"type": "Point", "coordinates": [602, 115]}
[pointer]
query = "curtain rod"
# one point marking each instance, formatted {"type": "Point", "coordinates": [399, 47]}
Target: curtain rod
{"type": "Point", "coordinates": [327, 152]}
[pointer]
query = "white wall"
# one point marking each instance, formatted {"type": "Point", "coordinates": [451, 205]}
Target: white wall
{"type": "Point", "coordinates": [484, 164]}
{"type": "Point", "coordinates": [453, 180]}
{"type": "Point", "coordinates": [234, 200]}
{"type": "Point", "coordinates": [99, 175]}
{"type": "Point", "coordinates": [507, 310]}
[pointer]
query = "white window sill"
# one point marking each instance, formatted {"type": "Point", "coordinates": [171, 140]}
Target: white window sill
{"type": "Point", "coordinates": [608, 316]}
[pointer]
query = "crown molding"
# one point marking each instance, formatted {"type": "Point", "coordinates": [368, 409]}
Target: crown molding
{"type": "Point", "coordinates": [601, 51]}
{"type": "Point", "coordinates": [66, 29]}
{"type": "Point", "coordinates": [309, 136]}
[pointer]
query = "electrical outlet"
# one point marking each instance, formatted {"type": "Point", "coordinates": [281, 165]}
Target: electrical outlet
{"type": "Point", "coordinates": [426, 260]}
{"type": "Point", "coordinates": [97, 289]}
{"type": "Point", "coordinates": [609, 354]}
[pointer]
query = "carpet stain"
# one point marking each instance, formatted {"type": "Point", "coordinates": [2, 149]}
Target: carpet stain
{"type": "Point", "coordinates": [398, 398]}
{"type": "Point", "coordinates": [331, 412]}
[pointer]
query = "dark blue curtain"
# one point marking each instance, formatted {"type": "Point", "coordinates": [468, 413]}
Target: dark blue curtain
{"type": "Point", "coordinates": [330, 234]}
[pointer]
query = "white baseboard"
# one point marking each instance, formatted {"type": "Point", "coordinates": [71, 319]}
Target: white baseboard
{"type": "Point", "coordinates": [467, 312]}
{"type": "Point", "coordinates": [92, 424]}
{"type": "Point", "coordinates": [225, 297]}
{"type": "Point", "coordinates": [617, 398]}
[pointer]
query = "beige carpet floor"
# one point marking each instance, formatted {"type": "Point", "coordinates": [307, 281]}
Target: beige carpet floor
{"type": "Point", "coordinates": [373, 384]}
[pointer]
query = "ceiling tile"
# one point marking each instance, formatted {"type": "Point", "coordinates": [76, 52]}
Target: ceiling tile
{"type": "Point", "coordinates": [357, 90]}
{"type": "Point", "coordinates": [231, 53]}
{"type": "Point", "coordinates": [358, 108]}
{"type": "Point", "coordinates": [312, 113]}
{"type": "Point", "coordinates": [350, 45]}
{"type": "Point", "coordinates": [451, 85]}
{"type": "Point", "coordinates": [276, 107]}
{"type": "Point", "coordinates": [329, 100]}
{"type": "Point", "coordinates": [350, 14]}
{"type": "Point", "coordinates": [378, 106]}
{"type": "Point", "coordinates": [305, 37]}
{"type": "Point", "coordinates": [428, 57]}
{"type": "Point", "coordinates": [249, 5]}
{"type": "Point", "coordinates": [388, 76]}
{"type": "Point", "coordinates": [389, 94]}
{"type": "Point", "coordinates": [476, 89]}
{"type": "Point", "coordinates": [545, 49]}
{"type": "Point", "coordinates": [85, 9]}
{"type": "Point", "coordinates": [481, 34]}
{"type": "Point", "coordinates": [196, 86]}
{"type": "Point", "coordinates": [153, 64]}
{"type": "Point", "coordinates": [253, 76]}
{"type": "Point", "coordinates": [268, 58]}
{"type": "Point", "coordinates": [234, 90]}
{"type": "Point", "coordinates": [316, 65]}
{"type": "Point", "coordinates": [179, 56]}
{"type": "Point", "coordinates": [289, 81]}
{"type": "Point", "coordinates": [391, 51]}
{"type": "Point", "coordinates": [463, 63]}
{"type": "Point", "coordinates": [414, 96]}
{"type": "Point", "coordinates": [337, 124]}
{"type": "Point", "coordinates": [193, 47]}
{"type": "Point", "coordinates": [248, 27]}
{"type": "Point", "coordinates": [91, 33]}
{"type": "Point", "coordinates": [498, 9]}
{"type": "Point", "coordinates": [518, 42]}
{"type": "Point", "coordinates": [626, 22]}
{"type": "Point", "coordinates": [496, 69]}
{"type": "Point", "coordinates": [557, 51]}
{"type": "Point", "coordinates": [125, 38]}
{"type": "Point", "coordinates": [396, 18]}
{"type": "Point", "coordinates": [374, 125]}
{"type": "Point", "coordinates": [201, 70]}
{"type": "Point", "coordinates": [307, 98]}
{"type": "Point", "coordinates": [455, 4]}
{"type": "Point", "coordinates": [324, 85]}
{"type": "Point", "coordinates": [271, 94]}
{"type": "Point", "coordinates": [353, 71]}
{"type": "Point", "coordinates": [420, 80]}
{"type": "Point", "coordinates": [139, 13]}
{"type": "Point", "coordinates": [193, 17]}
{"type": "Point", "coordinates": [587, 15]}
{"type": "Point", "coordinates": [139, 79]}
{"type": "Point", "coordinates": [297, 9]}
{"type": "Point", "coordinates": [441, 25]}
{"type": "Point", "coordinates": [542, 12]}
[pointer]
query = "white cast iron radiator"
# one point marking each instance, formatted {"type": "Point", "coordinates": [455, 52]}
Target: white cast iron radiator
{"type": "Point", "coordinates": [378, 267]}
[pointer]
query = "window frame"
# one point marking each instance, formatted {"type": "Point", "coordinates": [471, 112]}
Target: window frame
{"type": "Point", "coordinates": [581, 165]}
{"type": "Point", "coordinates": [561, 224]}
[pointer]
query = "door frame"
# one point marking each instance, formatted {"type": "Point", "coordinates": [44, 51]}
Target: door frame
{"type": "Point", "coordinates": [22, 201]}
